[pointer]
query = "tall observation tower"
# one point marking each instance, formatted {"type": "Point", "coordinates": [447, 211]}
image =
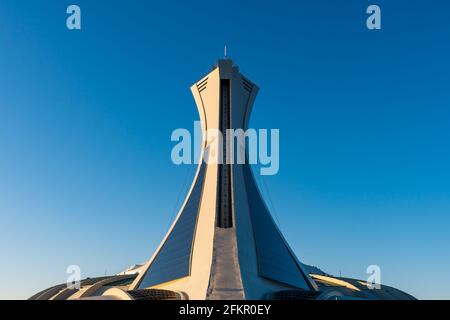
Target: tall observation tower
{"type": "Point", "coordinates": [223, 243]}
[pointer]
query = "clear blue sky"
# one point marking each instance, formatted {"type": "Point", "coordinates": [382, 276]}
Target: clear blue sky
{"type": "Point", "coordinates": [86, 117]}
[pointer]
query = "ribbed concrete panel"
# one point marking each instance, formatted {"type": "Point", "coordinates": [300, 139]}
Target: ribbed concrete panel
{"type": "Point", "coordinates": [225, 282]}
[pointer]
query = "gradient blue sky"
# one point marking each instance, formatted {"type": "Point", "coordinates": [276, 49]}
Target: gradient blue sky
{"type": "Point", "coordinates": [86, 118]}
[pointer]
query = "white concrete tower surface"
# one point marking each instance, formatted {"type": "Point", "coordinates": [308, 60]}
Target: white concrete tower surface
{"type": "Point", "coordinates": [224, 243]}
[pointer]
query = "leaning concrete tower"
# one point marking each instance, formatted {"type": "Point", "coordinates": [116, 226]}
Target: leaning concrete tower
{"type": "Point", "coordinates": [224, 243]}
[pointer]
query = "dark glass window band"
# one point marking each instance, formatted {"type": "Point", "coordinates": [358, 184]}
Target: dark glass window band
{"type": "Point", "coordinates": [173, 260]}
